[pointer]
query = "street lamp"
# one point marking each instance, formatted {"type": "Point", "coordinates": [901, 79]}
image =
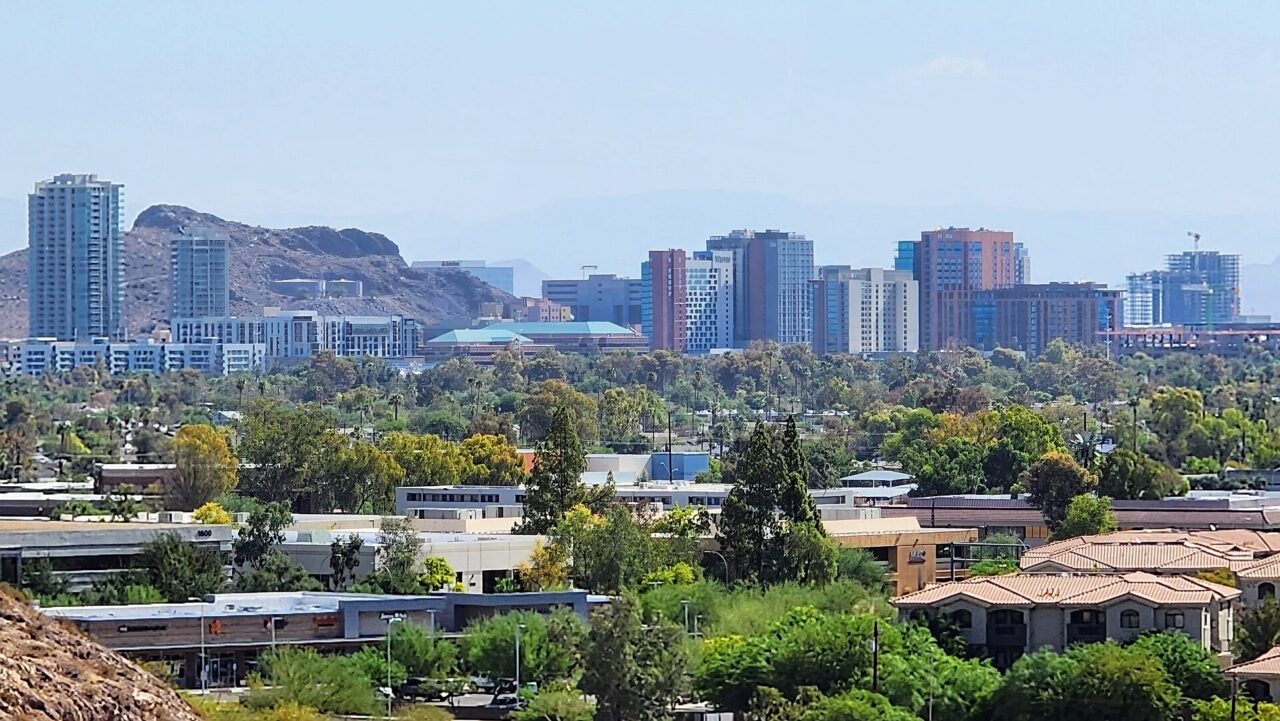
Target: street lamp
{"type": "Point", "coordinates": [390, 618]}
{"type": "Point", "coordinates": [274, 621]}
{"type": "Point", "coordinates": [519, 628]}
{"type": "Point", "coordinates": [686, 616]}
{"type": "Point", "coordinates": [204, 661]}
{"type": "Point", "coordinates": [726, 563]}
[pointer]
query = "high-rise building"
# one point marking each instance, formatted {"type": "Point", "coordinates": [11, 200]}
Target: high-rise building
{"type": "Point", "coordinates": [773, 299]}
{"type": "Point", "coordinates": [710, 291]}
{"type": "Point", "coordinates": [951, 265]}
{"type": "Point", "coordinates": [75, 268]}
{"type": "Point", "coordinates": [866, 310]}
{"type": "Point", "coordinates": [1202, 286]}
{"type": "Point", "coordinates": [1142, 301]}
{"type": "Point", "coordinates": [1197, 287]}
{"type": "Point", "coordinates": [501, 277]}
{"type": "Point", "coordinates": [599, 297]}
{"type": "Point", "coordinates": [905, 257]}
{"type": "Point", "coordinates": [664, 304]}
{"type": "Point", "coordinates": [687, 303]}
{"type": "Point", "coordinates": [1028, 317]}
{"type": "Point", "coordinates": [1021, 264]}
{"type": "Point", "coordinates": [198, 273]}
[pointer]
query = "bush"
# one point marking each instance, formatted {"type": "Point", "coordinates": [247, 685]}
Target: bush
{"type": "Point", "coordinates": [329, 684]}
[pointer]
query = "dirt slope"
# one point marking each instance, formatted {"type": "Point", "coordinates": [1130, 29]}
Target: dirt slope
{"type": "Point", "coordinates": [50, 671]}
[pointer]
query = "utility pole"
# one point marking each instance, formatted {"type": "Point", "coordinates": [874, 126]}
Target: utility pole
{"type": "Point", "coordinates": [875, 657]}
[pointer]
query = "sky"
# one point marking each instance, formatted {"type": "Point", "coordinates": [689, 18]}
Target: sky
{"type": "Point", "coordinates": [510, 129]}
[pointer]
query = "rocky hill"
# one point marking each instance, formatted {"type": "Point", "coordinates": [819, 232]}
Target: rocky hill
{"type": "Point", "coordinates": [50, 671]}
{"type": "Point", "coordinates": [259, 256]}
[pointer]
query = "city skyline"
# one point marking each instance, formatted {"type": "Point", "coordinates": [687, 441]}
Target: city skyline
{"type": "Point", "coordinates": [417, 141]}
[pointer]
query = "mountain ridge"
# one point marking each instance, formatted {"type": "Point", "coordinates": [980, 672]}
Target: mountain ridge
{"type": "Point", "coordinates": [260, 255]}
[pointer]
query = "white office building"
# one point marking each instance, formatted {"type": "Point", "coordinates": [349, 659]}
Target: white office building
{"type": "Point", "coordinates": [303, 333]}
{"type": "Point", "coordinates": [865, 310]}
{"type": "Point", "coordinates": [38, 356]}
{"type": "Point", "coordinates": [709, 284]}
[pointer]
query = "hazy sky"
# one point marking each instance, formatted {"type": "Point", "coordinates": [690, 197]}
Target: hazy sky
{"type": "Point", "coordinates": [261, 111]}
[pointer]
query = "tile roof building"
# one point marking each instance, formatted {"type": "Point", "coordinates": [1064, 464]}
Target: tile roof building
{"type": "Point", "coordinates": [1250, 556]}
{"type": "Point", "coordinates": [1261, 676]}
{"type": "Point", "coordinates": [1003, 617]}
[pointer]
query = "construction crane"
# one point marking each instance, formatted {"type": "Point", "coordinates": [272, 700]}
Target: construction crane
{"type": "Point", "coordinates": [1195, 239]}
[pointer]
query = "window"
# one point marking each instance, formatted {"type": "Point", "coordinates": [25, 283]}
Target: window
{"type": "Point", "coordinates": [1266, 590]}
{"type": "Point", "coordinates": [962, 618]}
{"type": "Point", "coordinates": [1006, 617]}
{"type": "Point", "coordinates": [1088, 617]}
{"type": "Point", "coordinates": [1129, 618]}
{"type": "Point", "coordinates": [1175, 619]}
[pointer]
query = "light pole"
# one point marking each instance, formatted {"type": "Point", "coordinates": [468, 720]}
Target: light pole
{"type": "Point", "coordinates": [274, 621]}
{"type": "Point", "coordinates": [686, 616]}
{"type": "Point", "coordinates": [875, 657]}
{"type": "Point", "coordinates": [204, 661]}
{"type": "Point", "coordinates": [519, 628]}
{"type": "Point", "coordinates": [726, 564]}
{"type": "Point", "coordinates": [390, 618]}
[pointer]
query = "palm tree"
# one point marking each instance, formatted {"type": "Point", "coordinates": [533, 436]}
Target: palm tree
{"type": "Point", "coordinates": [240, 384]}
{"type": "Point", "coordinates": [395, 399]}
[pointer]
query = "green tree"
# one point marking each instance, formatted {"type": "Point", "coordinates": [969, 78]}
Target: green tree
{"type": "Point", "coordinates": [749, 525]}
{"type": "Point", "coordinates": [260, 562]}
{"type": "Point", "coordinates": [423, 654]}
{"type": "Point", "coordinates": [492, 461]}
{"type": "Point", "coordinates": [1101, 681]}
{"type": "Point", "coordinates": [399, 567]}
{"type": "Point", "coordinates": [1086, 515]}
{"type": "Point", "coordinates": [555, 706]}
{"type": "Point", "coordinates": [794, 501]}
{"type": "Point", "coordinates": [953, 466]}
{"type": "Point", "coordinates": [633, 670]}
{"type": "Point", "coordinates": [856, 705]}
{"type": "Point", "coordinates": [436, 574]}
{"type": "Point", "coordinates": [344, 559]}
{"type": "Point", "coordinates": [1191, 667]}
{"type": "Point", "coordinates": [280, 442]}
{"type": "Point", "coordinates": [1023, 438]}
{"type": "Point", "coordinates": [1258, 630]}
{"type": "Point", "coordinates": [329, 684]}
{"type": "Point", "coordinates": [729, 671]}
{"type": "Point", "coordinates": [1125, 475]}
{"type": "Point", "coordinates": [1053, 481]}
{"type": "Point", "coordinates": [359, 478]}
{"type": "Point", "coordinates": [179, 570]}
{"type": "Point", "coordinates": [205, 467]}
{"type": "Point", "coordinates": [550, 645]}
{"type": "Point", "coordinates": [808, 555]}
{"type": "Point", "coordinates": [555, 486]}
{"type": "Point", "coordinates": [427, 460]}
{"type": "Point", "coordinates": [536, 412]}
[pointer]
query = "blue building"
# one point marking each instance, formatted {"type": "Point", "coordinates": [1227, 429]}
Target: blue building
{"type": "Point", "coordinates": [75, 268]}
{"type": "Point", "coordinates": [198, 271]}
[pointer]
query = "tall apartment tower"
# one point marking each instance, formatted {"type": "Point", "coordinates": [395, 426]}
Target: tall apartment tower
{"type": "Point", "coordinates": [710, 290]}
{"type": "Point", "coordinates": [951, 265]}
{"type": "Point", "coordinates": [773, 298]}
{"type": "Point", "coordinates": [75, 268]}
{"type": "Point", "coordinates": [664, 308]}
{"type": "Point", "coordinates": [867, 310]}
{"type": "Point", "coordinates": [198, 273]}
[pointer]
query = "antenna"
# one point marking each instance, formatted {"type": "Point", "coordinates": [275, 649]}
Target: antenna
{"type": "Point", "coordinates": [1195, 239]}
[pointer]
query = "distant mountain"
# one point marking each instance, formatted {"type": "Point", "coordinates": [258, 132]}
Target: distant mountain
{"type": "Point", "coordinates": [1259, 291]}
{"type": "Point", "coordinates": [259, 256]}
{"type": "Point", "coordinates": [528, 277]}
{"type": "Point", "coordinates": [614, 233]}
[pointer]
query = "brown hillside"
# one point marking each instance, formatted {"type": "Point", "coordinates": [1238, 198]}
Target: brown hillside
{"type": "Point", "coordinates": [50, 671]}
{"type": "Point", "coordinates": [260, 255]}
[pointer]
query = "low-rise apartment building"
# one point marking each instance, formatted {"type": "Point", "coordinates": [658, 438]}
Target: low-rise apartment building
{"type": "Point", "coordinates": [1004, 617]}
